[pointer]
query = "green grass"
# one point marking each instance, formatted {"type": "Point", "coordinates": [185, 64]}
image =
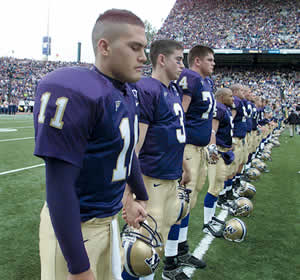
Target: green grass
{"type": "Point", "coordinates": [270, 251]}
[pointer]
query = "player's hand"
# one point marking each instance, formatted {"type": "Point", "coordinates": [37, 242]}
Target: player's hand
{"type": "Point", "coordinates": [213, 156]}
{"type": "Point", "coordinates": [134, 212]}
{"type": "Point", "coordinates": [186, 176]}
{"type": "Point", "coordinates": [87, 275]}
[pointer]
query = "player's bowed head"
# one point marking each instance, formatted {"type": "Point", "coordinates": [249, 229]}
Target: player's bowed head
{"type": "Point", "coordinates": [119, 41]}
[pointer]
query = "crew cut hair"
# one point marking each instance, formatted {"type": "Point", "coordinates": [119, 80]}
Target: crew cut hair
{"type": "Point", "coordinates": [165, 47]}
{"type": "Point", "coordinates": [108, 22]}
{"type": "Point", "coordinates": [198, 51]}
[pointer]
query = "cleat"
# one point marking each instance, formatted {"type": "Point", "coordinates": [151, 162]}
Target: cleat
{"type": "Point", "coordinates": [223, 204]}
{"type": "Point", "coordinates": [216, 221]}
{"type": "Point", "coordinates": [174, 274]}
{"type": "Point", "coordinates": [189, 260]}
{"type": "Point", "coordinates": [208, 228]}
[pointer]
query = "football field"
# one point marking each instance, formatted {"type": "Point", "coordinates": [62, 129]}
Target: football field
{"type": "Point", "coordinates": [270, 251]}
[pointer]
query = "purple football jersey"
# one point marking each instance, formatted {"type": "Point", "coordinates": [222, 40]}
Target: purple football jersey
{"type": "Point", "coordinates": [239, 122]}
{"type": "Point", "coordinates": [160, 107]}
{"type": "Point", "coordinates": [89, 120]}
{"type": "Point", "coordinates": [225, 129]}
{"type": "Point", "coordinates": [198, 118]}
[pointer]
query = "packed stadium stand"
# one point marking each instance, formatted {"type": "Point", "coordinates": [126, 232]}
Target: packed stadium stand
{"type": "Point", "coordinates": [271, 27]}
{"type": "Point", "coordinates": [258, 24]}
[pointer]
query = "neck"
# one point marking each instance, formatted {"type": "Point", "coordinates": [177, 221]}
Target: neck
{"type": "Point", "coordinates": [161, 76]}
{"type": "Point", "coordinates": [104, 70]}
{"type": "Point", "coordinates": [197, 69]}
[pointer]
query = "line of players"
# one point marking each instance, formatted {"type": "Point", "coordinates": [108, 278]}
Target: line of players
{"type": "Point", "coordinates": [219, 137]}
{"type": "Point", "coordinates": [185, 133]}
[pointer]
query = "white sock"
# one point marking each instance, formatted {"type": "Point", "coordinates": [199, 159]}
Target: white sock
{"type": "Point", "coordinates": [208, 214]}
{"type": "Point", "coordinates": [183, 234]}
{"type": "Point", "coordinates": [171, 248]}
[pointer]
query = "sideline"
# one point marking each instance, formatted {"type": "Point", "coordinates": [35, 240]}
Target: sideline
{"type": "Point", "coordinates": [21, 169]}
{"type": "Point", "coordinates": [16, 139]}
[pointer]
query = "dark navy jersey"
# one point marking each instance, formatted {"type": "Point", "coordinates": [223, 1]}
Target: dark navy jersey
{"type": "Point", "coordinates": [225, 129]}
{"type": "Point", "coordinates": [90, 121]}
{"type": "Point", "coordinates": [254, 117]}
{"type": "Point", "coordinates": [198, 118]}
{"type": "Point", "coordinates": [248, 106]}
{"type": "Point", "coordinates": [161, 155]}
{"type": "Point", "coordinates": [239, 122]}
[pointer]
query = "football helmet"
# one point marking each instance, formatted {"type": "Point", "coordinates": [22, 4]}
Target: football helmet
{"type": "Point", "coordinates": [235, 230]}
{"type": "Point", "coordinates": [143, 248]}
{"type": "Point", "coordinates": [265, 156]}
{"type": "Point", "coordinates": [258, 164]}
{"type": "Point", "coordinates": [247, 190]}
{"type": "Point", "coordinates": [183, 194]}
{"type": "Point", "coordinates": [269, 146]}
{"type": "Point", "coordinates": [252, 173]}
{"type": "Point", "coordinates": [276, 143]}
{"type": "Point", "coordinates": [241, 207]}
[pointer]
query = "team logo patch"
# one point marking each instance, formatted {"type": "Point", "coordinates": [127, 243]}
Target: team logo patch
{"type": "Point", "coordinates": [117, 105]}
{"type": "Point", "coordinates": [153, 262]}
{"type": "Point", "coordinates": [230, 229]}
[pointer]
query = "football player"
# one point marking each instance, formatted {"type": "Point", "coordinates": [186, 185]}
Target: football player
{"type": "Point", "coordinates": [239, 133]}
{"type": "Point", "coordinates": [199, 105]}
{"type": "Point", "coordinates": [161, 145]}
{"type": "Point", "coordinates": [218, 172]}
{"type": "Point", "coordinates": [86, 130]}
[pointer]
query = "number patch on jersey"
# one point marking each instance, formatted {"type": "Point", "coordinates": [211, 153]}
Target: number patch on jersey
{"type": "Point", "coordinates": [180, 132]}
{"type": "Point", "coordinates": [206, 96]}
{"type": "Point", "coordinates": [183, 83]}
{"type": "Point", "coordinates": [61, 104]}
{"type": "Point", "coordinates": [119, 172]}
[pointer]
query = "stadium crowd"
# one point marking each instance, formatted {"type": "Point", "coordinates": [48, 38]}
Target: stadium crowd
{"type": "Point", "coordinates": [20, 76]}
{"type": "Point", "coordinates": [260, 24]}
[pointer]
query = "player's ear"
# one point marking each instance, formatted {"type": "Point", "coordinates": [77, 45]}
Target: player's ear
{"type": "Point", "coordinates": [103, 47]}
{"type": "Point", "coordinates": [161, 60]}
{"type": "Point", "coordinates": [197, 61]}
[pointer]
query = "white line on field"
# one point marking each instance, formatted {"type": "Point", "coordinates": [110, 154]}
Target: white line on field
{"type": "Point", "coordinates": [16, 139]}
{"type": "Point", "coordinates": [204, 244]}
{"type": "Point", "coordinates": [23, 127]}
{"type": "Point", "coordinates": [21, 169]}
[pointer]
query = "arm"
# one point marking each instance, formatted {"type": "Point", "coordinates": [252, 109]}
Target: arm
{"type": "Point", "coordinates": [143, 128]}
{"type": "Point", "coordinates": [212, 148]}
{"type": "Point", "coordinates": [233, 112]}
{"type": "Point", "coordinates": [186, 101]}
{"type": "Point", "coordinates": [134, 208]}
{"type": "Point", "coordinates": [65, 216]}
{"type": "Point", "coordinates": [186, 175]}
{"type": "Point", "coordinates": [215, 126]}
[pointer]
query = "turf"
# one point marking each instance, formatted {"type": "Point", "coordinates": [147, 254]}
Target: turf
{"type": "Point", "coordinates": [270, 251]}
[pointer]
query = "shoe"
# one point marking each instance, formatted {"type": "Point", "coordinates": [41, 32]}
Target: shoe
{"type": "Point", "coordinates": [266, 171]}
{"type": "Point", "coordinates": [208, 228]}
{"type": "Point", "coordinates": [174, 274]}
{"type": "Point", "coordinates": [189, 260]}
{"type": "Point", "coordinates": [223, 204]}
{"type": "Point", "coordinates": [216, 221]}
{"type": "Point", "coordinates": [229, 195]}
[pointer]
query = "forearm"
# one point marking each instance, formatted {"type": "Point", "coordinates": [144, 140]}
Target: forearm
{"type": "Point", "coordinates": [65, 213]}
{"type": "Point", "coordinates": [135, 180]}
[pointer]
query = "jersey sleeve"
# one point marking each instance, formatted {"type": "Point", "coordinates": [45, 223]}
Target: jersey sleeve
{"type": "Point", "coordinates": [147, 106]}
{"type": "Point", "coordinates": [188, 85]}
{"type": "Point", "coordinates": [219, 114]}
{"type": "Point", "coordinates": [63, 121]}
